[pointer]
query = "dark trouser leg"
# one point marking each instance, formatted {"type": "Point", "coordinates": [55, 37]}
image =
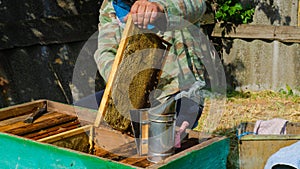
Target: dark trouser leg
{"type": "Point", "coordinates": [189, 111]}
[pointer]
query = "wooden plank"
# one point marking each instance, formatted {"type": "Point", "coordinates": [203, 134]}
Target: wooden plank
{"type": "Point", "coordinates": [85, 115]}
{"type": "Point", "coordinates": [110, 139]}
{"type": "Point", "coordinates": [126, 153]}
{"type": "Point", "coordinates": [267, 32]}
{"type": "Point", "coordinates": [120, 153]}
{"type": "Point", "coordinates": [244, 31]}
{"type": "Point", "coordinates": [66, 134]}
{"type": "Point", "coordinates": [133, 160]}
{"type": "Point", "coordinates": [14, 120]}
{"type": "Point", "coordinates": [143, 163]}
{"type": "Point", "coordinates": [125, 150]}
{"type": "Point", "coordinates": [19, 110]}
{"type": "Point", "coordinates": [209, 154]}
{"type": "Point", "coordinates": [254, 154]}
{"type": "Point", "coordinates": [21, 123]}
{"type": "Point", "coordinates": [291, 128]}
{"type": "Point", "coordinates": [287, 34]}
{"type": "Point", "coordinates": [270, 137]}
{"type": "Point", "coordinates": [53, 130]}
{"type": "Point", "coordinates": [299, 13]}
{"type": "Point", "coordinates": [197, 147]}
{"type": "Point", "coordinates": [104, 102]}
{"type": "Point", "coordinates": [60, 107]}
{"type": "Point", "coordinates": [49, 120]}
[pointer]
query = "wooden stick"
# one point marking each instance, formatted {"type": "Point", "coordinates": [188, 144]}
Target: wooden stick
{"type": "Point", "coordinates": [66, 134]}
{"type": "Point", "coordinates": [53, 130]}
{"type": "Point", "coordinates": [52, 133]}
{"type": "Point", "coordinates": [104, 102]}
{"type": "Point", "coordinates": [91, 140]}
{"type": "Point", "coordinates": [299, 13]}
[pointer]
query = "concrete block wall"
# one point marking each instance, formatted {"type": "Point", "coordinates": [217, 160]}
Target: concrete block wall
{"type": "Point", "coordinates": [255, 64]}
{"type": "Point", "coordinates": [263, 65]}
{"type": "Point", "coordinates": [276, 12]}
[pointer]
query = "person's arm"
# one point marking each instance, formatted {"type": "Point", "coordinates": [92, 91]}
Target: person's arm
{"type": "Point", "coordinates": [168, 14]}
{"type": "Point", "coordinates": [108, 39]}
{"type": "Point", "coordinates": [178, 12]}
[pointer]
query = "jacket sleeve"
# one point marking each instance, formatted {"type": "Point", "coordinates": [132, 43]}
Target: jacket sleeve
{"type": "Point", "coordinates": [180, 13]}
{"type": "Point", "coordinates": [108, 39]}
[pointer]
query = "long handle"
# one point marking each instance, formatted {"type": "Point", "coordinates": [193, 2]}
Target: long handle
{"type": "Point", "coordinates": [37, 112]}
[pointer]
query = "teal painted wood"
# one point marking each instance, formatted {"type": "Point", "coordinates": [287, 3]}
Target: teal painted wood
{"type": "Point", "coordinates": [213, 156]}
{"type": "Point", "coordinates": [22, 153]}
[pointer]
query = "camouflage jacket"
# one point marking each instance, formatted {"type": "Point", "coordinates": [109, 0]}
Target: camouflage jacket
{"type": "Point", "coordinates": [184, 63]}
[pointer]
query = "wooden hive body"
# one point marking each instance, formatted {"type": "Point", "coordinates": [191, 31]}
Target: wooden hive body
{"type": "Point", "coordinates": [255, 150]}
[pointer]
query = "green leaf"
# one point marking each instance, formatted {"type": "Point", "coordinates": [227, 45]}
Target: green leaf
{"type": "Point", "coordinates": [233, 11]}
{"type": "Point", "coordinates": [225, 8]}
{"type": "Point", "coordinates": [238, 6]}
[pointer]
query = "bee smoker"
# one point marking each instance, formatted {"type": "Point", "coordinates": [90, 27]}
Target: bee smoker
{"type": "Point", "coordinates": [154, 130]}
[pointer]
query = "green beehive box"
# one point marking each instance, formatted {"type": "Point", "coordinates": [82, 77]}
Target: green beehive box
{"type": "Point", "coordinates": [77, 147]}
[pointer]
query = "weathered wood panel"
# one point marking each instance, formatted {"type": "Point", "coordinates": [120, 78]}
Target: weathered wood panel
{"type": "Point", "coordinates": [14, 111]}
{"type": "Point", "coordinates": [292, 129]}
{"type": "Point", "coordinates": [255, 150]}
{"type": "Point", "coordinates": [47, 31]}
{"type": "Point", "coordinates": [46, 121]}
{"type": "Point", "coordinates": [267, 32]}
{"type": "Point", "coordinates": [53, 130]}
{"type": "Point", "coordinates": [255, 153]}
{"type": "Point", "coordinates": [59, 118]}
{"type": "Point", "coordinates": [299, 13]}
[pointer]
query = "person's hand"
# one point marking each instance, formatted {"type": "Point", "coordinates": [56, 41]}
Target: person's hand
{"type": "Point", "coordinates": [144, 12]}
